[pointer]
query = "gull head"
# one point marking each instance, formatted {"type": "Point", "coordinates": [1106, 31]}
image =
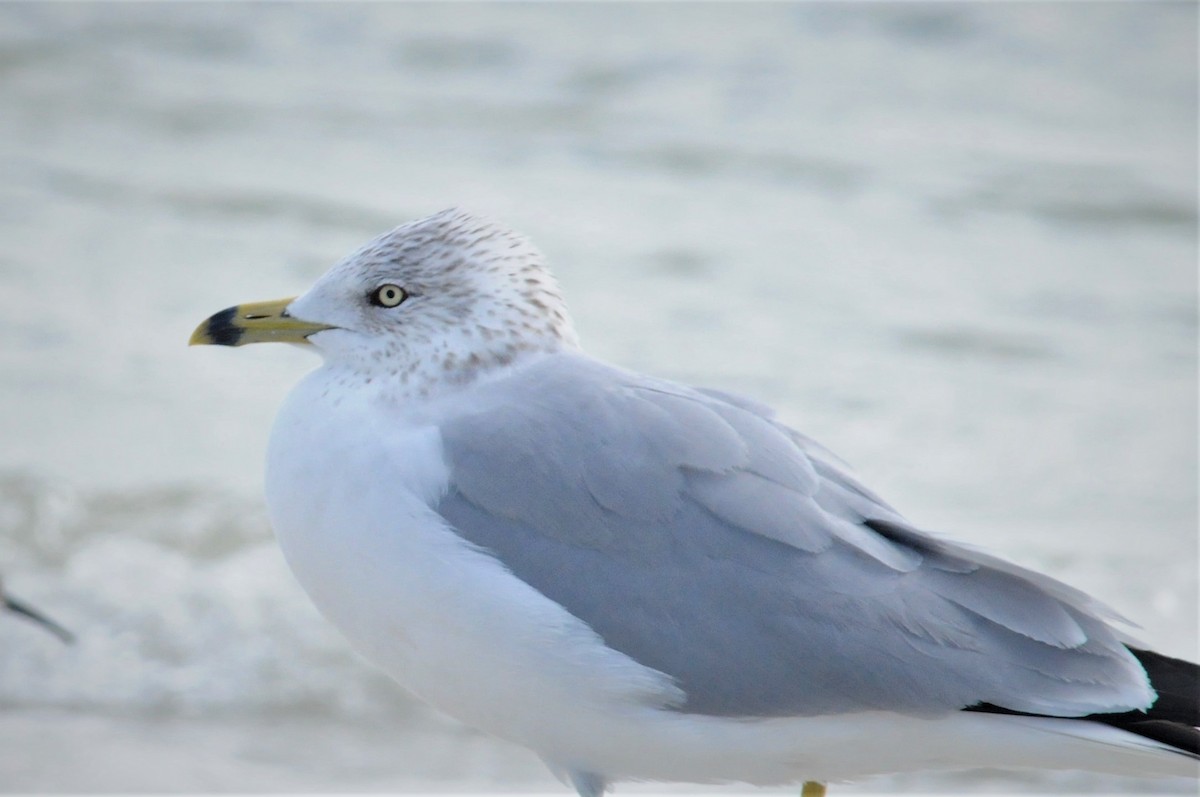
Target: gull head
{"type": "Point", "coordinates": [440, 299]}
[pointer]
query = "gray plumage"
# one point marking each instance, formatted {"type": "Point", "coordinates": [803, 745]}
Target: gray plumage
{"type": "Point", "coordinates": [701, 537]}
{"type": "Point", "coordinates": [742, 565]}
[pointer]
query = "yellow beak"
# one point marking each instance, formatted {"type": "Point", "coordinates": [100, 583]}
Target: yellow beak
{"type": "Point", "coordinates": [261, 322]}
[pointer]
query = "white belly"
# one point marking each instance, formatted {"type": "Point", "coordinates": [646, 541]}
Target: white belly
{"type": "Point", "coordinates": [351, 509]}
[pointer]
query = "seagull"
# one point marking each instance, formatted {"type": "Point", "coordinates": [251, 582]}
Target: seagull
{"type": "Point", "coordinates": [17, 607]}
{"type": "Point", "coordinates": [641, 580]}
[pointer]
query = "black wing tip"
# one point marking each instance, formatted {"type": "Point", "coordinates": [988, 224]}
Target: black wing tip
{"type": "Point", "coordinates": [1172, 720]}
{"type": "Point", "coordinates": [1177, 682]}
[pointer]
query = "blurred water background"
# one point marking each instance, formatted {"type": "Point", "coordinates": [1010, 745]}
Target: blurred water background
{"type": "Point", "coordinates": [956, 243]}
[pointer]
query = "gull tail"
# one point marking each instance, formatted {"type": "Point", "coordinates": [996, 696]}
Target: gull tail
{"type": "Point", "coordinates": [1174, 719]}
{"type": "Point", "coordinates": [1175, 715]}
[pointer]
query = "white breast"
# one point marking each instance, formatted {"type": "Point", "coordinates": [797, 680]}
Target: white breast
{"type": "Point", "coordinates": [350, 485]}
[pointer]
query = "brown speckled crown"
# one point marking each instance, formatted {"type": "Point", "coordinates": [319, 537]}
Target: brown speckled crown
{"type": "Point", "coordinates": [479, 296]}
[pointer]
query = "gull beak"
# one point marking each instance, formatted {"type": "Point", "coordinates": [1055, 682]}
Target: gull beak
{"type": "Point", "coordinates": [17, 607]}
{"type": "Point", "coordinates": [260, 322]}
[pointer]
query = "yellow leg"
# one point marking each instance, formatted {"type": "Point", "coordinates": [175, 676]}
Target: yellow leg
{"type": "Point", "coordinates": [812, 789]}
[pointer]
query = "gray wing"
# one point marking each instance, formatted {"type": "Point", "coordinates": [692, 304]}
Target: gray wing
{"type": "Point", "coordinates": [704, 539]}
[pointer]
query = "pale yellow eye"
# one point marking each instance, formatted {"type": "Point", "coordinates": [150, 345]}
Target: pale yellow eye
{"type": "Point", "coordinates": [388, 295]}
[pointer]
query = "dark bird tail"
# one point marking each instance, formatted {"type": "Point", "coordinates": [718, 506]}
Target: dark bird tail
{"type": "Point", "coordinates": [1175, 715]}
{"type": "Point", "coordinates": [1173, 720]}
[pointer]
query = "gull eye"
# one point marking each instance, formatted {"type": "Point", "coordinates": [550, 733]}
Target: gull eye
{"type": "Point", "coordinates": [388, 295]}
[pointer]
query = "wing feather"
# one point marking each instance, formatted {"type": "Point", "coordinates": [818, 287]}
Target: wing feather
{"type": "Point", "coordinates": [704, 539]}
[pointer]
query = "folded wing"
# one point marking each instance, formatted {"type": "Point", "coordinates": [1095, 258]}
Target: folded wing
{"type": "Point", "coordinates": [701, 537]}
